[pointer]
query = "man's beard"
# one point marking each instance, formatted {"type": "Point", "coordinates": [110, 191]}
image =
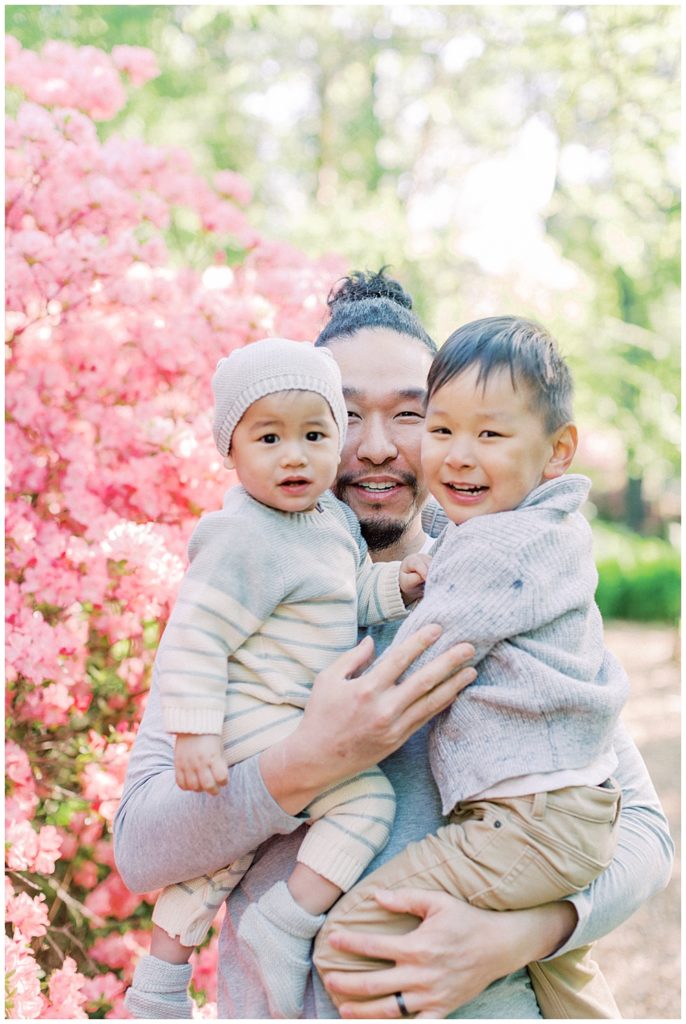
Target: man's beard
{"type": "Point", "coordinates": [381, 533]}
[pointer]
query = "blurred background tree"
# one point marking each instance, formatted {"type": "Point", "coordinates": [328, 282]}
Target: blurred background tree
{"type": "Point", "coordinates": [518, 158]}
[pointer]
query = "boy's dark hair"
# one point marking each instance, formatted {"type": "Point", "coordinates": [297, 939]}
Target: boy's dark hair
{"type": "Point", "coordinates": [523, 347]}
{"type": "Point", "coordinates": [368, 299]}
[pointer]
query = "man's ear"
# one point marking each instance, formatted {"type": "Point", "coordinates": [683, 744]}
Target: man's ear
{"type": "Point", "coordinates": [228, 462]}
{"type": "Point", "coordinates": [564, 442]}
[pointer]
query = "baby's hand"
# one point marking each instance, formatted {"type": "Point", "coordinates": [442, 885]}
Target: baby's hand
{"type": "Point", "coordinates": [413, 572]}
{"type": "Point", "coordinates": [199, 763]}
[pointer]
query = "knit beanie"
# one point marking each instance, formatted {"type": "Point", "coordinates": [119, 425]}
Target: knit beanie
{"type": "Point", "coordinates": [263, 367]}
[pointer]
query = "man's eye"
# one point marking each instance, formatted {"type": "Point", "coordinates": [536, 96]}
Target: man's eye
{"type": "Point", "coordinates": [269, 438]}
{"type": "Point", "coordinates": [409, 414]}
{"type": "Point", "coordinates": [314, 435]}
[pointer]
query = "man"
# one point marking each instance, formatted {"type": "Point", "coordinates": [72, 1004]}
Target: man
{"type": "Point", "coordinates": [458, 956]}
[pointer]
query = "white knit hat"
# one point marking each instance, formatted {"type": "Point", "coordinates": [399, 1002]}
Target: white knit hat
{"type": "Point", "coordinates": [263, 367]}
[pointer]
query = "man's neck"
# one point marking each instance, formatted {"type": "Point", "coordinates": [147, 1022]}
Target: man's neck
{"type": "Point", "coordinates": [412, 541]}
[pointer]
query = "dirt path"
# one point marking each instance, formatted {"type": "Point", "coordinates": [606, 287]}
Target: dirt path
{"type": "Point", "coordinates": [641, 959]}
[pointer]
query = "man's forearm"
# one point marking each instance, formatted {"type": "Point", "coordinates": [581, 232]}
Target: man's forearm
{"type": "Point", "coordinates": [163, 835]}
{"type": "Point", "coordinates": [643, 860]}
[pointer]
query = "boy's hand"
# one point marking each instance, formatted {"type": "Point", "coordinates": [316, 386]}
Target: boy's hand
{"type": "Point", "coordinates": [413, 572]}
{"type": "Point", "coordinates": [199, 763]}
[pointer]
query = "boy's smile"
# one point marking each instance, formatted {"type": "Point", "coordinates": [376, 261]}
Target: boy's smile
{"type": "Point", "coordinates": [285, 450]}
{"type": "Point", "coordinates": [485, 447]}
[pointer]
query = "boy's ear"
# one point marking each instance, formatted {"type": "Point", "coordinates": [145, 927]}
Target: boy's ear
{"type": "Point", "coordinates": [228, 462]}
{"type": "Point", "coordinates": [564, 441]}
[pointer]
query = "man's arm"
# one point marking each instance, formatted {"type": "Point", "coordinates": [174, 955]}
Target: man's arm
{"type": "Point", "coordinates": [642, 864]}
{"type": "Point", "coordinates": [163, 835]}
{"type": "Point", "coordinates": [458, 950]}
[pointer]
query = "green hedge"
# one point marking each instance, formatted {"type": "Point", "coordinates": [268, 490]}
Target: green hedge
{"type": "Point", "coordinates": [640, 577]}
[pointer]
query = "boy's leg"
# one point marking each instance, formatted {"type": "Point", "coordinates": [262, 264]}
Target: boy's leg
{"type": "Point", "coordinates": [486, 856]}
{"type": "Point", "coordinates": [352, 821]}
{"type": "Point", "coordinates": [572, 987]}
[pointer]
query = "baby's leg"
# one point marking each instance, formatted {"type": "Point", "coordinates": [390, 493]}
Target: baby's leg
{"type": "Point", "coordinates": [184, 913]}
{"type": "Point", "coordinates": [353, 822]}
{"type": "Point", "coordinates": [159, 989]}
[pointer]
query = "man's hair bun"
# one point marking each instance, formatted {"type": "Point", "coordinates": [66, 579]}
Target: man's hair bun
{"type": "Point", "coordinates": [368, 284]}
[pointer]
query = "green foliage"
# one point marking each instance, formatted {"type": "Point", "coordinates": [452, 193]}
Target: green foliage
{"type": "Point", "coordinates": [377, 131]}
{"type": "Point", "coordinates": [640, 578]}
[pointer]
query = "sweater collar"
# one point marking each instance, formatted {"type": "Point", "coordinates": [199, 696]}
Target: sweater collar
{"type": "Point", "coordinates": [565, 493]}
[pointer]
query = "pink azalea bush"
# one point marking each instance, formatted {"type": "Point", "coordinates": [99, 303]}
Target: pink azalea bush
{"type": "Point", "coordinates": [110, 461]}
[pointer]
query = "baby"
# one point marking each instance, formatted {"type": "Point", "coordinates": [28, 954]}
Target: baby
{"type": "Point", "coordinates": [523, 758]}
{"type": "Point", "coordinates": [277, 584]}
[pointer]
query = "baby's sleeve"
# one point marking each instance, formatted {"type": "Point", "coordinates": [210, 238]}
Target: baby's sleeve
{"type": "Point", "coordinates": [231, 587]}
{"type": "Point", "coordinates": [379, 597]}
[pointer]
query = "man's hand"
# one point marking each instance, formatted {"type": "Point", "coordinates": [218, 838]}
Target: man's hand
{"type": "Point", "coordinates": [199, 763]}
{"type": "Point", "coordinates": [413, 572]}
{"type": "Point", "coordinates": [455, 952]}
{"type": "Point", "coordinates": [353, 721]}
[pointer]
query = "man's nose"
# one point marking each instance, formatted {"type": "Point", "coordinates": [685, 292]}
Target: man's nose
{"type": "Point", "coordinates": [376, 444]}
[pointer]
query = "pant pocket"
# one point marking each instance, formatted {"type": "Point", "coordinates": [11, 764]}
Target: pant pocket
{"type": "Point", "coordinates": [529, 882]}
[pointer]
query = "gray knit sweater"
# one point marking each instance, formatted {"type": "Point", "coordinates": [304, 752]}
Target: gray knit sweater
{"type": "Point", "coordinates": [520, 587]}
{"type": "Point", "coordinates": [278, 594]}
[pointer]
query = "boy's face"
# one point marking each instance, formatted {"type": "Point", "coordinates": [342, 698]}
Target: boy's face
{"type": "Point", "coordinates": [485, 448]}
{"type": "Point", "coordinates": [285, 450]}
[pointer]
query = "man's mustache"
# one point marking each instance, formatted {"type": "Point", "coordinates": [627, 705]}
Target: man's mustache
{"type": "Point", "coordinates": [348, 479]}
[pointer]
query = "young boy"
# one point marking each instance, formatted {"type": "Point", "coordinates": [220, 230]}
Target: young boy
{"type": "Point", "coordinates": [276, 585]}
{"type": "Point", "coordinates": [523, 758]}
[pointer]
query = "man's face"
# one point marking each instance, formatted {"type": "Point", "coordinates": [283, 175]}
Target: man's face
{"type": "Point", "coordinates": [384, 383]}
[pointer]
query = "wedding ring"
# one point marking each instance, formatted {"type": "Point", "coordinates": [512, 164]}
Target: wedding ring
{"type": "Point", "coordinates": [402, 1005]}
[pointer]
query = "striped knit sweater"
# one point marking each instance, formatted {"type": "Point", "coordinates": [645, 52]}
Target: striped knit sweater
{"type": "Point", "coordinates": [520, 587]}
{"type": "Point", "coordinates": [270, 599]}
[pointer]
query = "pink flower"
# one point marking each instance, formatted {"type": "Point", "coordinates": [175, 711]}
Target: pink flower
{"type": "Point", "coordinates": [121, 951]}
{"type": "Point", "coordinates": [31, 850]}
{"type": "Point", "coordinates": [103, 989]}
{"type": "Point", "coordinates": [111, 898]}
{"type": "Point", "coordinates": [139, 64]}
{"type": "Point", "coordinates": [29, 915]}
{"type": "Point", "coordinates": [204, 963]}
{"type": "Point", "coordinates": [65, 993]}
{"type": "Point", "coordinates": [86, 875]}
{"type": "Point", "coordinates": [23, 998]}
{"type": "Point", "coordinates": [233, 186]}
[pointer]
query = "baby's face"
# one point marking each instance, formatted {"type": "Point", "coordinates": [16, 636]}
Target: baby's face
{"type": "Point", "coordinates": [285, 450]}
{"type": "Point", "coordinates": [484, 449]}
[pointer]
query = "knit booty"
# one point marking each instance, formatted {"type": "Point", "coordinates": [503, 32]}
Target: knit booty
{"type": "Point", "coordinates": [159, 991]}
{"type": "Point", "coordinates": [278, 933]}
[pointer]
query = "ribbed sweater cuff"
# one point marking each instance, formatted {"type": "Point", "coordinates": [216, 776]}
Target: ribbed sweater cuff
{"type": "Point", "coordinates": [199, 721]}
{"type": "Point", "coordinates": [390, 592]}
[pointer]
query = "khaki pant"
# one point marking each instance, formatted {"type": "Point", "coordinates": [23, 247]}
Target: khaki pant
{"type": "Point", "coordinates": [501, 855]}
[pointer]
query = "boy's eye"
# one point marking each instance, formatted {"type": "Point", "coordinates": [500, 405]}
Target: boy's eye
{"type": "Point", "coordinates": [489, 433]}
{"type": "Point", "coordinates": [352, 414]}
{"type": "Point", "coordinates": [269, 438]}
{"type": "Point", "coordinates": [314, 435]}
{"type": "Point", "coordinates": [438, 430]}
